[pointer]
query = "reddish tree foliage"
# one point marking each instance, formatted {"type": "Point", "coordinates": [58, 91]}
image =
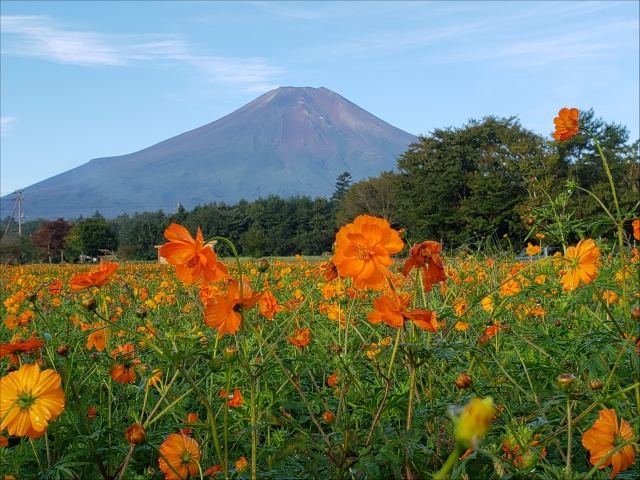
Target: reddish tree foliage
{"type": "Point", "coordinates": [51, 235]}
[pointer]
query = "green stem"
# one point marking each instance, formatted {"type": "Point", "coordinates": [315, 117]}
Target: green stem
{"type": "Point", "coordinates": [569, 439]}
{"type": "Point", "coordinates": [448, 465]}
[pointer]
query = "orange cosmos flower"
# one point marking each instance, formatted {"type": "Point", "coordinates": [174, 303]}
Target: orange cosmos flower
{"type": "Point", "coordinates": [182, 453]}
{"type": "Point", "coordinates": [98, 278]}
{"type": "Point", "coordinates": [301, 338]}
{"type": "Point", "coordinates": [242, 464]}
{"type": "Point", "coordinates": [362, 251]}
{"type": "Point", "coordinates": [17, 346]}
{"type": "Point", "coordinates": [330, 271]}
{"type": "Point", "coordinates": [191, 257]}
{"type": "Point", "coordinates": [636, 229]}
{"type": "Point", "coordinates": [269, 305]}
{"type": "Point", "coordinates": [212, 471]}
{"type": "Point", "coordinates": [392, 311]}
{"type": "Point", "coordinates": [233, 400]}
{"type": "Point", "coordinates": [98, 338]}
{"type": "Point", "coordinates": [426, 256]}
{"type": "Point", "coordinates": [191, 418]}
{"type": "Point", "coordinates": [125, 370]}
{"type": "Point", "coordinates": [566, 124]}
{"type": "Point", "coordinates": [580, 264]}
{"type": "Point", "coordinates": [92, 412]}
{"type": "Point", "coordinates": [55, 287]}
{"type": "Point", "coordinates": [604, 436]}
{"type": "Point", "coordinates": [29, 400]}
{"type": "Point", "coordinates": [224, 313]}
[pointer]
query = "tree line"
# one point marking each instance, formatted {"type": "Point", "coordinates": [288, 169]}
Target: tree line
{"type": "Point", "coordinates": [490, 175]}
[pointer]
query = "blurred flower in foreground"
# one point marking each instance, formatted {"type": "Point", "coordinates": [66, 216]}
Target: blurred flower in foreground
{"type": "Point", "coordinates": [580, 264]}
{"type": "Point", "coordinates": [603, 436]}
{"type": "Point", "coordinates": [566, 124]}
{"type": "Point", "coordinates": [29, 400]}
{"type": "Point", "coordinates": [636, 229]}
{"type": "Point", "coordinates": [183, 453]}
{"type": "Point", "coordinates": [473, 422]}
{"type": "Point", "coordinates": [362, 251]}
{"type": "Point", "coordinates": [96, 279]}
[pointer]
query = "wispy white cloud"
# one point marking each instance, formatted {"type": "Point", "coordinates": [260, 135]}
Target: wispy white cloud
{"type": "Point", "coordinates": [4, 124]}
{"type": "Point", "coordinates": [44, 38]}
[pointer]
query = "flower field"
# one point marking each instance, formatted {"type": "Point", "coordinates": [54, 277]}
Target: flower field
{"type": "Point", "coordinates": [390, 359]}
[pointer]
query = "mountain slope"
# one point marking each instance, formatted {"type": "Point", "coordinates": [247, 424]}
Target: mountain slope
{"type": "Point", "coordinates": [289, 141]}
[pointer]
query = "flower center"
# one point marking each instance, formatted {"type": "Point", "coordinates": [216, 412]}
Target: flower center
{"type": "Point", "coordinates": [191, 263]}
{"type": "Point", "coordinates": [425, 252]}
{"type": "Point", "coordinates": [26, 400]}
{"type": "Point", "coordinates": [361, 252]}
{"type": "Point", "coordinates": [568, 123]}
{"type": "Point", "coordinates": [185, 458]}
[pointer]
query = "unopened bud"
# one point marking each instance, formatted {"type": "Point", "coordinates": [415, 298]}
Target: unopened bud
{"type": "Point", "coordinates": [565, 382]}
{"type": "Point", "coordinates": [635, 313]}
{"type": "Point", "coordinates": [328, 416]}
{"type": "Point", "coordinates": [142, 312]}
{"type": "Point", "coordinates": [263, 265]}
{"type": "Point", "coordinates": [595, 384]}
{"type": "Point", "coordinates": [62, 350]}
{"type": "Point", "coordinates": [231, 352]}
{"type": "Point", "coordinates": [463, 381]}
{"type": "Point", "coordinates": [88, 303]}
{"type": "Point", "coordinates": [530, 221]}
{"type": "Point", "coordinates": [136, 434]}
{"type": "Point", "coordinates": [216, 364]}
{"type": "Point", "coordinates": [483, 339]}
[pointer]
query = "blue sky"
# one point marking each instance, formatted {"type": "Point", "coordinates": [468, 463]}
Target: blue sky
{"type": "Point", "coordinates": [82, 80]}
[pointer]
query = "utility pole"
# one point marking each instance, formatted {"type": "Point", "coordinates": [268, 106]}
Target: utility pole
{"type": "Point", "coordinates": [19, 201]}
{"type": "Point", "coordinates": [18, 204]}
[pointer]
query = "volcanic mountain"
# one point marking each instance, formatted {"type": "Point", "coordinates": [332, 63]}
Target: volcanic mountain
{"type": "Point", "coordinates": [289, 141]}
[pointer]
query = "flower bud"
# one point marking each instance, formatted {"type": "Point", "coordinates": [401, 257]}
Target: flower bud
{"type": "Point", "coordinates": [530, 221]}
{"type": "Point", "coordinates": [595, 384]}
{"type": "Point", "coordinates": [142, 312]}
{"type": "Point", "coordinates": [31, 295]}
{"type": "Point", "coordinates": [88, 303]}
{"type": "Point", "coordinates": [62, 350]}
{"type": "Point", "coordinates": [635, 313]}
{"type": "Point", "coordinates": [136, 434]}
{"type": "Point", "coordinates": [263, 265]}
{"type": "Point", "coordinates": [328, 416]}
{"type": "Point", "coordinates": [463, 381]}
{"type": "Point", "coordinates": [94, 356]}
{"type": "Point", "coordinates": [41, 362]}
{"type": "Point", "coordinates": [216, 364]}
{"type": "Point", "coordinates": [402, 233]}
{"type": "Point", "coordinates": [474, 422]}
{"type": "Point", "coordinates": [506, 328]}
{"type": "Point", "coordinates": [483, 339]}
{"type": "Point", "coordinates": [565, 382]}
{"type": "Point", "coordinates": [231, 352]}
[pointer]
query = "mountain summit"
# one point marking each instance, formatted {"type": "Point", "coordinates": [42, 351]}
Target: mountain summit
{"type": "Point", "coordinates": [289, 141]}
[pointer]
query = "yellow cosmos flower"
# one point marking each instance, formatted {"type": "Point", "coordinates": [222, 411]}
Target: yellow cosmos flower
{"type": "Point", "coordinates": [29, 400]}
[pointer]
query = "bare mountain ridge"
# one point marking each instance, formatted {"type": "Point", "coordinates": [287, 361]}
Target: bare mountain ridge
{"type": "Point", "coordinates": [289, 141]}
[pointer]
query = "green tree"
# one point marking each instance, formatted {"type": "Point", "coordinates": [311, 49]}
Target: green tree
{"type": "Point", "coordinates": [343, 183]}
{"type": "Point", "coordinates": [458, 182]}
{"type": "Point", "coordinates": [97, 234]}
{"type": "Point", "coordinates": [377, 196]}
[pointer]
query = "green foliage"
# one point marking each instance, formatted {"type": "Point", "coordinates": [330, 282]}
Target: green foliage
{"type": "Point", "coordinates": [97, 234]}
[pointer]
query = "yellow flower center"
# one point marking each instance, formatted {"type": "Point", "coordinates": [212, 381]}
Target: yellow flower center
{"type": "Point", "coordinates": [361, 252]}
{"type": "Point", "coordinates": [425, 252]}
{"type": "Point", "coordinates": [568, 123]}
{"type": "Point", "coordinates": [25, 400]}
{"type": "Point", "coordinates": [191, 263]}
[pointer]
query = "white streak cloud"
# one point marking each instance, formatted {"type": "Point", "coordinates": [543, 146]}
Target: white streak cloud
{"type": "Point", "coordinates": [43, 38]}
{"type": "Point", "coordinates": [4, 124]}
